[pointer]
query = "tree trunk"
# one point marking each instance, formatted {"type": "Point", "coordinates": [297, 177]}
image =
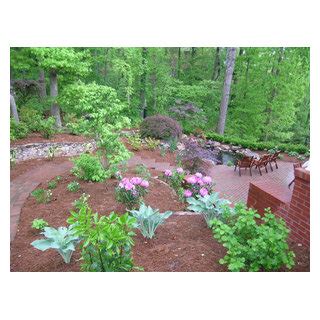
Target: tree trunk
{"type": "Point", "coordinates": [216, 65]}
{"type": "Point", "coordinates": [55, 110]}
{"type": "Point", "coordinates": [179, 63]}
{"type": "Point", "coordinates": [230, 62]}
{"type": "Point", "coordinates": [42, 85]}
{"type": "Point", "coordinates": [143, 81]}
{"type": "Point", "coordinates": [13, 107]}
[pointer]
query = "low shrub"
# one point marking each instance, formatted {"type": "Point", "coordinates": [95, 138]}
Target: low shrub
{"type": "Point", "coordinates": [210, 206]}
{"type": "Point", "coordinates": [39, 224]}
{"type": "Point", "coordinates": [106, 241]}
{"type": "Point", "coordinates": [198, 184]}
{"type": "Point", "coordinates": [13, 158]}
{"type": "Point", "coordinates": [151, 143]}
{"type": "Point", "coordinates": [62, 239]}
{"type": "Point", "coordinates": [253, 246]}
{"type": "Point", "coordinates": [52, 184]}
{"type": "Point", "coordinates": [47, 128]}
{"type": "Point", "coordinates": [18, 130]}
{"type": "Point", "coordinates": [73, 186]}
{"type": "Point", "coordinates": [230, 163]}
{"type": "Point", "coordinates": [160, 127]}
{"type": "Point", "coordinates": [131, 191]}
{"type": "Point", "coordinates": [32, 118]}
{"type": "Point", "coordinates": [42, 196]}
{"type": "Point", "coordinates": [143, 171]}
{"type": "Point", "coordinates": [176, 180]}
{"type": "Point", "coordinates": [89, 168]}
{"type": "Point", "coordinates": [173, 144]}
{"type": "Point", "coordinates": [135, 142]}
{"type": "Point", "coordinates": [148, 219]}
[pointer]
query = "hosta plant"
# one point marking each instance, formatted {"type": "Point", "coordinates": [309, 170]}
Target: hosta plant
{"type": "Point", "coordinates": [62, 239]}
{"type": "Point", "coordinates": [253, 246]}
{"type": "Point", "coordinates": [39, 224]}
{"type": "Point", "coordinates": [210, 206]}
{"type": "Point", "coordinates": [73, 186]}
{"type": "Point", "coordinates": [42, 196]}
{"type": "Point", "coordinates": [131, 191]}
{"type": "Point", "coordinates": [149, 219]}
{"type": "Point", "coordinates": [106, 241]}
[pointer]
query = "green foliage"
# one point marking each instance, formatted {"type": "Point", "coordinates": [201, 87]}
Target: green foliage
{"type": "Point", "coordinates": [42, 196]}
{"type": "Point", "coordinates": [46, 127]}
{"type": "Point", "coordinates": [210, 206]}
{"type": "Point", "coordinates": [89, 168]}
{"type": "Point", "coordinates": [39, 224]}
{"type": "Point", "coordinates": [173, 144]}
{"type": "Point", "coordinates": [32, 118]}
{"type": "Point", "coordinates": [73, 186]}
{"type": "Point", "coordinates": [62, 239]}
{"type": "Point", "coordinates": [52, 184]}
{"type": "Point", "coordinates": [18, 130]}
{"type": "Point", "coordinates": [293, 154]}
{"type": "Point", "coordinates": [58, 178]}
{"type": "Point", "coordinates": [135, 142]}
{"type": "Point", "coordinates": [151, 143]}
{"type": "Point", "coordinates": [149, 219]}
{"type": "Point", "coordinates": [230, 163]}
{"type": "Point", "coordinates": [13, 158]}
{"type": "Point", "coordinates": [106, 240]}
{"type": "Point", "coordinates": [163, 151]}
{"type": "Point", "coordinates": [52, 152]}
{"type": "Point", "coordinates": [143, 172]}
{"type": "Point", "coordinates": [252, 246]}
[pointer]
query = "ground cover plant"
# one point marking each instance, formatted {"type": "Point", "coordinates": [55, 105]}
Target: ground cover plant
{"type": "Point", "coordinates": [42, 196]}
{"type": "Point", "coordinates": [39, 224]}
{"type": "Point", "coordinates": [106, 241]}
{"type": "Point", "coordinates": [252, 246]}
{"type": "Point", "coordinates": [149, 219]}
{"type": "Point", "coordinates": [73, 186]}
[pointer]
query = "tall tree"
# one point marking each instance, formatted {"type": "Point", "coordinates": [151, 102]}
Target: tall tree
{"type": "Point", "coordinates": [13, 106]}
{"type": "Point", "coordinates": [143, 80]}
{"type": "Point", "coordinates": [216, 65]}
{"type": "Point", "coordinates": [42, 85]}
{"type": "Point", "coordinates": [230, 62]}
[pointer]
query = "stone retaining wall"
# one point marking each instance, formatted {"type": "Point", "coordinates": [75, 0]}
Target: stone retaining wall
{"type": "Point", "coordinates": [41, 150]}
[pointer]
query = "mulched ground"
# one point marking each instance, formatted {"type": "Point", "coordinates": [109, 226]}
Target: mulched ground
{"type": "Point", "coordinates": [59, 137]}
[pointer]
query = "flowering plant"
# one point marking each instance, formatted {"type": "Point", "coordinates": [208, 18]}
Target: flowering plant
{"type": "Point", "coordinates": [175, 180]}
{"type": "Point", "coordinates": [197, 184]}
{"type": "Point", "coordinates": [131, 191]}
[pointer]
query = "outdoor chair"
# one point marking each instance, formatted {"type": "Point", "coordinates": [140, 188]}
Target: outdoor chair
{"type": "Point", "coordinates": [245, 162]}
{"type": "Point", "coordinates": [273, 158]}
{"type": "Point", "coordinates": [295, 165]}
{"type": "Point", "coordinates": [262, 162]}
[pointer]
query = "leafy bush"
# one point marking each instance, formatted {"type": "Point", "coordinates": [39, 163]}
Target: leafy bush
{"type": "Point", "coordinates": [62, 239]}
{"type": "Point", "coordinates": [52, 184]}
{"type": "Point", "coordinates": [106, 241]}
{"type": "Point", "coordinates": [135, 142]}
{"type": "Point", "coordinates": [293, 154]}
{"type": "Point", "coordinates": [42, 196]}
{"type": "Point", "coordinates": [143, 171]}
{"type": "Point", "coordinates": [198, 184]}
{"type": "Point", "coordinates": [173, 144]}
{"type": "Point", "coordinates": [131, 191]}
{"type": "Point", "coordinates": [32, 118]}
{"type": "Point", "coordinates": [18, 130]}
{"type": "Point", "coordinates": [89, 168]}
{"type": "Point", "coordinates": [73, 186]}
{"type": "Point", "coordinates": [176, 180]}
{"type": "Point", "coordinates": [160, 127]}
{"type": "Point", "coordinates": [39, 224]}
{"type": "Point", "coordinates": [210, 206]}
{"type": "Point", "coordinates": [151, 143]}
{"type": "Point", "coordinates": [149, 219]}
{"type": "Point", "coordinates": [252, 246]}
{"type": "Point", "coordinates": [47, 128]}
{"type": "Point", "coordinates": [230, 163]}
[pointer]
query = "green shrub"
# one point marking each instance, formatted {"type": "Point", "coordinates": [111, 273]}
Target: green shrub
{"type": "Point", "coordinates": [143, 171]}
{"type": "Point", "coordinates": [52, 184]}
{"type": "Point", "coordinates": [151, 143]}
{"type": "Point", "coordinates": [135, 142]}
{"type": "Point", "coordinates": [148, 219]}
{"type": "Point", "coordinates": [18, 130]}
{"type": "Point", "coordinates": [13, 158]}
{"type": "Point", "coordinates": [251, 246]}
{"type": "Point", "coordinates": [47, 128]}
{"type": "Point", "coordinates": [89, 168]}
{"type": "Point", "coordinates": [293, 154]}
{"type": "Point", "coordinates": [62, 239]}
{"type": "Point", "coordinates": [173, 144]}
{"type": "Point", "coordinates": [230, 163]}
{"type": "Point", "coordinates": [39, 224]}
{"type": "Point", "coordinates": [42, 196]}
{"type": "Point", "coordinates": [106, 241]}
{"type": "Point", "coordinates": [160, 127]}
{"type": "Point", "coordinates": [73, 186]}
{"type": "Point", "coordinates": [32, 118]}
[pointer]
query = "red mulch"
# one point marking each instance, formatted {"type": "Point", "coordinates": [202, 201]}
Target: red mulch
{"type": "Point", "coordinates": [59, 137]}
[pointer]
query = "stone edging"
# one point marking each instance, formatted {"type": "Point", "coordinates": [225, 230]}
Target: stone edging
{"type": "Point", "coordinates": [41, 150]}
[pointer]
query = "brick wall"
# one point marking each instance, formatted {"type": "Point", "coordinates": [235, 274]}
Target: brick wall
{"type": "Point", "coordinates": [293, 208]}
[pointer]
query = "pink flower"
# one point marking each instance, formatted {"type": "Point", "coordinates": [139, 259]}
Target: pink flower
{"type": "Point", "coordinates": [136, 180]}
{"type": "Point", "coordinates": [203, 192]}
{"type": "Point", "coordinates": [192, 180]}
{"type": "Point", "coordinates": [129, 186]}
{"type": "Point", "coordinates": [125, 180]}
{"type": "Point", "coordinates": [168, 173]}
{"type": "Point", "coordinates": [200, 182]}
{"type": "Point", "coordinates": [198, 175]}
{"type": "Point", "coordinates": [207, 179]}
{"type": "Point", "coordinates": [144, 184]}
{"type": "Point", "coordinates": [121, 185]}
{"type": "Point", "coordinates": [187, 193]}
{"type": "Point", "coordinates": [179, 170]}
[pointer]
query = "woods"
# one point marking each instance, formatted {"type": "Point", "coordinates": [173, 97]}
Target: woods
{"type": "Point", "coordinates": [258, 94]}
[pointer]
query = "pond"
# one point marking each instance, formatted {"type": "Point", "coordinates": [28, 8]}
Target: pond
{"type": "Point", "coordinates": [224, 157]}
